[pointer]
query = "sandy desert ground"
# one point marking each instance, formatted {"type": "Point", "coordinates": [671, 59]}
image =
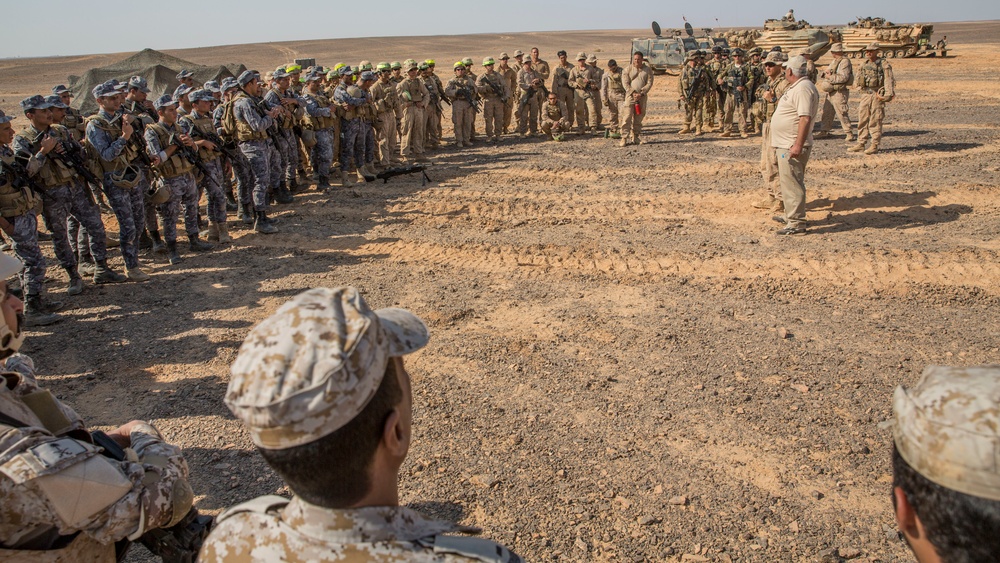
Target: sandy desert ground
{"type": "Point", "coordinates": [626, 364]}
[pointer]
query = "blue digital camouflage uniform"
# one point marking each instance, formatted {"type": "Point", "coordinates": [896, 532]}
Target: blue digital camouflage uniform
{"type": "Point", "coordinates": [212, 182]}
{"type": "Point", "coordinates": [68, 201]}
{"type": "Point", "coordinates": [24, 240]}
{"type": "Point", "coordinates": [183, 190]}
{"type": "Point", "coordinates": [241, 167]}
{"type": "Point", "coordinates": [286, 142]}
{"type": "Point", "coordinates": [125, 202]}
{"type": "Point", "coordinates": [350, 129]}
{"type": "Point", "coordinates": [257, 152]}
{"type": "Point", "coordinates": [321, 154]}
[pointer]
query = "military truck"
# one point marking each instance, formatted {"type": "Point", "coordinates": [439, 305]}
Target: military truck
{"type": "Point", "coordinates": [894, 40]}
{"type": "Point", "coordinates": [666, 55]}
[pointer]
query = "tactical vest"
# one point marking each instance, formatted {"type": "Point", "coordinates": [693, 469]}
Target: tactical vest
{"type": "Point", "coordinates": [72, 121]}
{"type": "Point", "coordinates": [872, 75]}
{"type": "Point", "coordinates": [204, 125]}
{"type": "Point", "coordinates": [317, 122]}
{"type": "Point", "coordinates": [615, 83]}
{"type": "Point", "coordinates": [553, 112]}
{"type": "Point", "coordinates": [286, 122]}
{"type": "Point", "coordinates": [412, 87]}
{"type": "Point", "coordinates": [497, 82]}
{"type": "Point", "coordinates": [13, 201]}
{"type": "Point", "coordinates": [114, 130]}
{"type": "Point", "coordinates": [241, 128]}
{"type": "Point", "coordinates": [176, 164]}
{"type": "Point", "coordinates": [560, 78]}
{"type": "Point", "coordinates": [54, 172]}
{"type": "Point", "coordinates": [385, 97]}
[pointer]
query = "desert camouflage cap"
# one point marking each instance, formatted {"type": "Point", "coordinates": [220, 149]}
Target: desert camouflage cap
{"type": "Point", "coordinates": [592, 59]}
{"type": "Point", "coordinates": [837, 48]}
{"type": "Point", "coordinates": [873, 46]}
{"type": "Point", "coordinates": [4, 118]}
{"type": "Point", "coordinates": [947, 427]}
{"type": "Point", "coordinates": [518, 53]}
{"type": "Point", "coordinates": [312, 366]}
{"type": "Point", "coordinates": [775, 57]}
{"type": "Point", "coordinates": [581, 56]}
{"type": "Point", "coordinates": [503, 57]}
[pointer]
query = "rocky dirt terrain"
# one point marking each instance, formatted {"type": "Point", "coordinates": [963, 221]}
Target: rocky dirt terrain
{"type": "Point", "coordinates": [626, 363]}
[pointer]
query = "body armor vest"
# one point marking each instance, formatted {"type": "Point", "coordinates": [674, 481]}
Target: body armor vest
{"type": "Point", "coordinates": [176, 164]}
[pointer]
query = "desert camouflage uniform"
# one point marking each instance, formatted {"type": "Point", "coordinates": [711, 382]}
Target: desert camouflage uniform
{"type": "Point", "coordinates": [433, 112]}
{"type": "Point", "coordinates": [715, 97]}
{"type": "Point", "coordinates": [693, 84]}
{"type": "Point", "coordinates": [276, 529]}
{"type": "Point", "coordinates": [840, 74]}
{"type": "Point", "coordinates": [62, 201]}
{"type": "Point", "coordinates": [211, 183]}
{"type": "Point", "coordinates": [413, 96]}
{"type": "Point", "coordinates": [612, 93]}
{"type": "Point", "coordinates": [872, 78]}
{"type": "Point", "coordinates": [183, 187]}
{"type": "Point", "coordinates": [528, 102]}
{"type": "Point", "coordinates": [493, 104]}
{"type": "Point", "coordinates": [555, 118]}
{"type": "Point", "coordinates": [440, 90]}
{"type": "Point", "coordinates": [584, 83]}
{"type": "Point", "coordinates": [510, 80]}
{"type": "Point", "coordinates": [75, 122]}
{"type": "Point", "coordinates": [60, 500]}
{"type": "Point", "coordinates": [541, 67]}
{"type": "Point", "coordinates": [598, 109]}
{"type": "Point", "coordinates": [462, 112]}
{"type": "Point", "coordinates": [737, 103]}
{"type": "Point", "coordinates": [386, 107]}
{"type": "Point", "coordinates": [563, 90]}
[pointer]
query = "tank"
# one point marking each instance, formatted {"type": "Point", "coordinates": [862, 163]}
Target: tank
{"type": "Point", "coordinates": [894, 40]}
{"type": "Point", "coordinates": [667, 51]}
{"type": "Point", "coordinates": [790, 36]}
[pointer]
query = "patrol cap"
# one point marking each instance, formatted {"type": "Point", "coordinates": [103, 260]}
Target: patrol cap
{"type": "Point", "coordinates": [314, 77]}
{"type": "Point", "coordinates": [518, 53]}
{"type": "Point", "coordinates": [4, 118]}
{"type": "Point", "coordinates": [181, 90]}
{"type": "Point", "coordinates": [228, 84]}
{"type": "Point", "coordinates": [837, 48]}
{"type": "Point", "coordinates": [60, 90]}
{"type": "Point", "coordinates": [201, 95]}
{"type": "Point", "coordinates": [55, 101]}
{"type": "Point", "coordinates": [756, 51]}
{"type": "Point", "coordinates": [246, 77]}
{"type": "Point", "coordinates": [874, 46]}
{"type": "Point", "coordinates": [345, 71]}
{"type": "Point", "coordinates": [526, 61]}
{"type": "Point", "coordinates": [797, 62]}
{"type": "Point", "coordinates": [775, 58]}
{"type": "Point", "coordinates": [311, 367]}
{"type": "Point", "coordinates": [581, 56]}
{"type": "Point", "coordinates": [139, 83]}
{"type": "Point", "coordinates": [368, 75]}
{"type": "Point", "coordinates": [212, 86]}
{"type": "Point", "coordinates": [395, 64]}
{"type": "Point", "coordinates": [947, 428]}
{"type": "Point", "coordinates": [412, 65]}
{"type": "Point", "coordinates": [104, 90]}
{"type": "Point", "coordinates": [184, 73]}
{"type": "Point", "coordinates": [164, 101]}
{"type": "Point", "coordinates": [34, 102]}
{"type": "Point", "coordinates": [488, 61]}
{"type": "Point", "coordinates": [504, 56]}
{"type": "Point", "coordinates": [279, 72]}
{"type": "Point", "coordinates": [691, 55]}
{"type": "Point", "coordinates": [592, 59]}
{"type": "Point", "coordinates": [408, 61]}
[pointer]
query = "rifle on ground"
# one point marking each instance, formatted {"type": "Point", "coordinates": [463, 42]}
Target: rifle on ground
{"type": "Point", "coordinates": [388, 173]}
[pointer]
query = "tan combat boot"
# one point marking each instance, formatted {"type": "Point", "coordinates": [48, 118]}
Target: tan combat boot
{"type": "Point", "coordinates": [686, 129]}
{"type": "Point", "coordinates": [765, 203]}
{"type": "Point", "coordinates": [224, 237]}
{"type": "Point", "coordinates": [872, 149]}
{"type": "Point", "coordinates": [699, 131]}
{"type": "Point", "coordinates": [212, 233]}
{"type": "Point", "coordinates": [857, 148]}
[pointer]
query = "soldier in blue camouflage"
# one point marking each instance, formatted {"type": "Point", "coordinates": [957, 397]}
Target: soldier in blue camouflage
{"type": "Point", "coordinates": [350, 98]}
{"type": "Point", "coordinates": [163, 141]}
{"type": "Point", "coordinates": [64, 192]}
{"type": "Point", "coordinates": [143, 113]}
{"type": "Point", "coordinates": [62, 499]}
{"type": "Point", "coordinates": [319, 117]}
{"type": "Point", "coordinates": [241, 167]}
{"type": "Point", "coordinates": [325, 371]}
{"type": "Point", "coordinates": [250, 125]}
{"type": "Point", "coordinates": [110, 134]}
{"type": "Point", "coordinates": [279, 95]}
{"type": "Point", "coordinates": [196, 125]}
{"type": "Point", "coordinates": [73, 120]}
{"type": "Point", "coordinates": [18, 220]}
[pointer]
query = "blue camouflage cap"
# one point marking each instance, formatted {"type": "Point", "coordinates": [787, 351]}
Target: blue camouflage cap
{"type": "Point", "coordinates": [35, 102]}
{"type": "Point", "coordinates": [346, 71]}
{"type": "Point", "coordinates": [4, 118]}
{"type": "Point", "coordinates": [212, 86]}
{"type": "Point", "coordinates": [55, 102]}
{"type": "Point", "coordinates": [368, 75]}
{"type": "Point", "coordinates": [164, 101]}
{"type": "Point", "coordinates": [201, 95]}
{"type": "Point", "coordinates": [313, 77]}
{"type": "Point", "coordinates": [181, 90]}
{"type": "Point", "coordinates": [104, 90]}
{"type": "Point", "coordinates": [279, 73]}
{"type": "Point", "coordinates": [118, 86]}
{"type": "Point", "coordinates": [246, 77]}
{"type": "Point", "coordinates": [228, 84]}
{"type": "Point", "coordinates": [184, 73]}
{"type": "Point", "coordinates": [139, 83]}
{"type": "Point", "coordinates": [60, 89]}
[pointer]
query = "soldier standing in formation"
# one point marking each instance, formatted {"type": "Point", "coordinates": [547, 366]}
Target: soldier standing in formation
{"type": "Point", "coordinates": [197, 125]}
{"type": "Point", "coordinates": [319, 117]}
{"type": "Point", "coordinates": [598, 73]}
{"type": "Point", "coordinates": [530, 84]}
{"type": "Point", "coordinates": [561, 87]}
{"type": "Point", "coordinates": [637, 80]}
{"type": "Point", "coordinates": [585, 84]}
{"type": "Point", "coordinates": [715, 98]}
{"type": "Point", "coordinates": [693, 83]}
{"type": "Point", "coordinates": [612, 94]}
{"type": "Point", "coordinates": [878, 86]}
{"type": "Point", "coordinates": [386, 108]}
{"type": "Point", "coordinates": [251, 124]}
{"type": "Point", "coordinates": [510, 81]}
{"type": "Point", "coordinates": [738, 83]}
{"type": "Point", "coordinates": [413, 96]}
{"type": "Point", "coordinates": [460, 90]}
{"type": "Point", "coordinates": [493, 89]}
{"type": "Point", "coordinates": [836, 80]}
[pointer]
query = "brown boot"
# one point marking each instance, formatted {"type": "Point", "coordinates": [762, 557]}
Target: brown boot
{"type": "Point", "coordinates": [872, 149]}
{"type": "Point", "coordinates": [224, 237]}
{"type": "Point", "coordinates": [857, 148]}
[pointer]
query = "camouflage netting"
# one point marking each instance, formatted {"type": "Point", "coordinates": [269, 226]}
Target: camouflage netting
{"type": "Point", "coordinates": [159, 70]}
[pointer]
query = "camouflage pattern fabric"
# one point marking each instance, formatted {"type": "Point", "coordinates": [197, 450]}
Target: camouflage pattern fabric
{"type": "Point", "coordinates": [211, 183]}
{"type": "Point", "coordinates": [322, 152]}
{"type": "Point", "coordinates": [131, 214]}
{"type": "Point", "coordinates": [25, 244]}
{"type": "Point", "coordinates": [70, 202]}
{"type": "Point", "coordinates": [184, 192]}
{"type": "Point", "coordinates": [258, 159]}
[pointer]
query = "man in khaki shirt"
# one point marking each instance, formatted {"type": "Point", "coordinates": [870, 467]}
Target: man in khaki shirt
{"type": "Point", "coordinates": [791, 137]}
{"type": "Point", "coordinates": [637, 80]}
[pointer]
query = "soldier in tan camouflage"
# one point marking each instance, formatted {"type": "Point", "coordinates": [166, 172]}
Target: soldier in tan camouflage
{"type": "Point", "coordinates": [461, 91]}
{"type": "Point", "coordinates": [878, 86]}
{"type": "Point", "coordinates": [637, 80]}
{"type": "Point", "coordinates": [835, 82]}
{"type": "Point", "coordinates": [598, 73]}
{"type": "Point", "coordinates": [530, 85]}
{"type": "Point", "coordinates": [768, 95]}
{"type": "Point", "coordinates": [386, 105]}
{"type": "Point", "coordinates": [433, 111]}
{"type": "Point", "coordinates": [561, 87]}
{"type": "Point", "coordinates": [323, 391]}
{"type": "Point", "coordinates": [413, 96]}
{"type": "Point", "coordinates": [493, 90]}
{"type": "Point", "coordinates": [612, 93]}
{"type": "Point", "coordinates": [510, 79]}
{"type": "Point", "coordinates": [585, 83]}
{"type": "Point", "coordinates": [62, 499]}
{"type": "Point", "coordinates": [542, 68]}
{"type": "Point", "coordinates": [555, 118]}
{"type": "Point", "coordinates": [693, 84]}
{"type": "Point", "coordinates": [945, 476]}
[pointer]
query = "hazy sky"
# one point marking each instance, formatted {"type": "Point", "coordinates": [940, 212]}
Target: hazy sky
{"type": "Point", "coordinates": [74, 27]}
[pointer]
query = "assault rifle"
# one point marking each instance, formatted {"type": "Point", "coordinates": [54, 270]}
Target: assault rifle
{"type": "Point", "coordinates": [189, 154]}
{"type": "Point", "coordinates": [137, 140]}
{"type": "Point", "coordinates": [273, 130]}
{"type": "Point", "coordinates": [497, 89]}
{"type": "Point", "coordinates": [18, 175]}
{"type": "Point", "coordinates": [213, 138]}
{"type": "Point", "coordinates": [530, 93]}
{"type": "Point", "coordinates": [388, 173]}
{"type": "Point", "coordinates": [695, 77]}
{"type": "Point", "coordinates": [467, 94]}
{"type": "Point", "coordinates": [70, 156]}
{"type": "Point", "coordinates": [177, 544]}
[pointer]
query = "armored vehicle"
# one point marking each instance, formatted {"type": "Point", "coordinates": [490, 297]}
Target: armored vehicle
{"type": "Point", "coordinates": [791, 36]}
{"type": "Point", "coordinates": [894, 40]}
{"type": "Point", "coordinates": [667, 54]}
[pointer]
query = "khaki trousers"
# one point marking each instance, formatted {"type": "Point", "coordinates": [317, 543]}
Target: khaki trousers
{"type": "Point", "coordinates": [462, 116]}
{"type": "Point", "coordinates": [567, 97]}
{"type": "Point", "coordinates": [508, 113]}
{"type": "Point", "coordinates": [413, 130]}
{"type": "Point", "coordinates": [739, 110]}
{"type": "Point", "coordinates": [631, 123]}
{"type": "Point", "coordinates": [836, 102]}
{"type": "Point", "coordinates": [792, 176]}
{"type": "Point", "coordinates": [612, 105]}
{"type": "Point", "coordinates": [586, 111]}
{"type": "Point", "coordinates": [769, 162]}
{"type": "Point", "coordinates": [432, 137]}
{"type": "Point", "coordinates": [385, 133]}
{"type": "Point", "coordinates": [871, 112]}
{"type": "Point", "coordinates": [493, 110]}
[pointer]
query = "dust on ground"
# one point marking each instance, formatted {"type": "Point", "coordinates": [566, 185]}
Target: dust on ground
{"type": "Point", "coordinates": [626, 362]}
